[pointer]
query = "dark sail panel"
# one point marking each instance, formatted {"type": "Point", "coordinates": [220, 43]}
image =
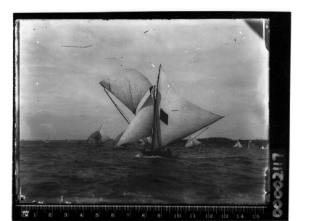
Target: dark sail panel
{"type": "Point", "coordinates": [163, 116]}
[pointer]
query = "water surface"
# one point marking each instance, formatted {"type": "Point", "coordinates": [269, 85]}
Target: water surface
{"type": "Point", "coordinates": [79, 173]}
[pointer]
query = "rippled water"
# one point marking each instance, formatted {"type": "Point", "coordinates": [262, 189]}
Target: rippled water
{"type": "Point", "coordinates": [79, 173]}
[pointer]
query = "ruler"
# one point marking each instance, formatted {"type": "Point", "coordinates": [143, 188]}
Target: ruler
{"type": "Point", "coordinates": [139, 212]}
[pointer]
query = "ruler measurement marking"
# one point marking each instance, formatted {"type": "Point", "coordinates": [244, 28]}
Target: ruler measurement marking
{"type": "Point", "coordinates": [180, 212]}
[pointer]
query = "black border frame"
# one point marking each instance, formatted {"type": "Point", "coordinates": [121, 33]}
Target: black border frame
{"type": "Point", "coordinates": [279, 94]}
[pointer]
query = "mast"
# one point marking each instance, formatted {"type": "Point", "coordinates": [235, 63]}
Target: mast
{"type": "Point", "coordinates": [120, 111]}
{"type": "Point", "coordinates": [156, 140]}
{"type": "Point", "coordinates": [199, 133]}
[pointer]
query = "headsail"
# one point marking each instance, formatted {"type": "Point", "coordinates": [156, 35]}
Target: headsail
{"type": "Point", "coordinates": [178, 117]}
{"type": "Point", "coordinates": [129, 86]}
{"type": "Point", "coordinates": [141, 125]}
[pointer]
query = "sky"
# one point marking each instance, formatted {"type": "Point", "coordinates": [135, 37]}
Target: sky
{"type": "Point", "coordinates": [220, 65]}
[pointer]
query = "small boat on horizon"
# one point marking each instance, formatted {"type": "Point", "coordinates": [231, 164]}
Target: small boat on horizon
{"type": "Point", "coordinates": [47, 140]}
{"type": "Point", "coordinates": [238, 144]}
{"type": "Point", "coordinates": [21, 196]}
{"type": "Point", "coordinates": [249, 143]}
{"type": "Point", "coordinates": [264, 147]}
{"type": "Point", "coordinates": [192, 139]}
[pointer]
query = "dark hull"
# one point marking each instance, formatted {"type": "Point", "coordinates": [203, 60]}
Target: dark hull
{"type": "Point", "coordinates": [159, 152]}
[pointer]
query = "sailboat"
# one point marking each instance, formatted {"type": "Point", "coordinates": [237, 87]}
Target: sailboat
{"type": "Point", "coordinates": [264, 147]}
{"type": "Point", "coordinates": [159, 112]}
{"type": "Point", "coordinates": [192, 141]}
{"type": "Point", "coordinates": [96, 137]}
{"type": "Point", "coordinates": [99, 137]}
{"type": "Point", "coordinates": [21, 196]}
{"type": "Point", "coordinates": [249, 144]}
{"type": "Point", "coordinates": [47, 140]}
{"type": "Point", "coordinates": [238, 144]}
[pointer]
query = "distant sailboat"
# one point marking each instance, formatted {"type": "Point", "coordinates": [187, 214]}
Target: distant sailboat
{"type": "Point", "coordinates": [238, 144]}
{"type": "Point", "coordinates": [159, 113]}
{"type": "Point", "coordinates": [47, 140]}
{"type": "Point", "coordinates": [95, 137]}
{"type": "Point", "coordinates": [249, 143]}
{"type": "Point", "coordinates": [264, 147]}
{"type": "Point", "coordinates": [99, 138]}
{"type": "Point", "coordinates": [21, 196]}
{"type": "Point", "coordinates": [192, 141]}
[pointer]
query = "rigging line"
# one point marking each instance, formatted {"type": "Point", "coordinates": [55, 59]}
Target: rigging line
{"type": "Point", "coordinates": [100, 128]}
{"type": "Point", "coordinates": [158, 75]}
{"type": "Point", "coordinates": [201, 131]}
{"type": "Point", "coordinates": [207, 125]}
{"type": "Point", "coordinates": [116, 106]}
{"type": "Point", "coordinates": [130, 92]}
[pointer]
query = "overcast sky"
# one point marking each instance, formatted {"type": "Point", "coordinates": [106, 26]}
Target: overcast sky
{"type": "Point", "coordinates": [220, 65]}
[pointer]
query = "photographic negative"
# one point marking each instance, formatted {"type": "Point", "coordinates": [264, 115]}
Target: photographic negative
{"type": "Point", "coordinates": [121, 111]}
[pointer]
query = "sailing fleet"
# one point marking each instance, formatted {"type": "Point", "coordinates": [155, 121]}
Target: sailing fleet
{"type": "Point", "coordinates": [250, 144]}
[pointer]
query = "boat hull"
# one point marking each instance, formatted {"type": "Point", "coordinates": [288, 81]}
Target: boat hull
{"type": "Point", "coordinates": [158, 152]}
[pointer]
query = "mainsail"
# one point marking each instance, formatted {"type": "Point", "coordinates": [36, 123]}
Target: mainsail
{"type": "Point", "coordinates": [178, 117]}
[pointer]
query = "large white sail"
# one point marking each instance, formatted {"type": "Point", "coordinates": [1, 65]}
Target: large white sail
{"type": "Point", "coordinates": [178, 117]}
{"type": "Point", "coordinates": [129, 86]}
{"type": "Point", "coordinates": [141, 125]}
